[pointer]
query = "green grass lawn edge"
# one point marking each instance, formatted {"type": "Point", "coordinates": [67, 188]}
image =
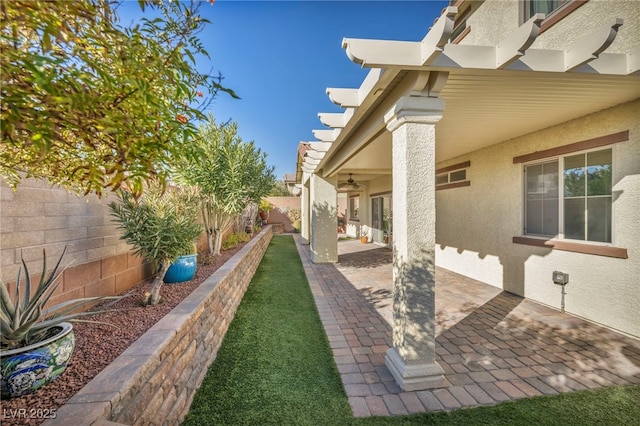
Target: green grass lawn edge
{"type": "Point", "coordinates": [275, 366]}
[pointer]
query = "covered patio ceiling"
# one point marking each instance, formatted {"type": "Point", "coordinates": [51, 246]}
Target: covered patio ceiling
{"type": "Point", "coordinates": [483, 109]}
{"type": "Point", "coordinates": [492, 93]}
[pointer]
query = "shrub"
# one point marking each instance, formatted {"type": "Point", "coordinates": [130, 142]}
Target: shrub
{"type": "Point", "coordinates": [160, 225]}
{"type": "Point", "coordinates": [264, 205]}
{"type": "Point", "coordinates": [294, 215]}
{"type": "Point", "coordinates": [234, 239]}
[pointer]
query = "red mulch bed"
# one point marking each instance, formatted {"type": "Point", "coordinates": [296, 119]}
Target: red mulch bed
{"type": "Point", "coordinates": [97, 345]}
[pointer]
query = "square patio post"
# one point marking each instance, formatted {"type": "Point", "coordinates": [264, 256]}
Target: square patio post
{"type": "Point", "coordinates": [412, 359]}
{"type": "Point", "coordinates": [324, 219]}
{"type": "Point", "coordinates": [305, 219]}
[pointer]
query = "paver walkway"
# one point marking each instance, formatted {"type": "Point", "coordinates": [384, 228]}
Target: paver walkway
{"type": "Point", "coordinates": [492, 345]}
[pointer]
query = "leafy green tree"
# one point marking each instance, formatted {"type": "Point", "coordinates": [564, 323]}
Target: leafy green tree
{"type": "Point", "coordinates": [160, 225]}
{"type": "Point", "coordinates": [93, 105]}
{"type": "Point", "coordinates": [229, 174]}
{"type": "Point", "coordinates": [279, 190]}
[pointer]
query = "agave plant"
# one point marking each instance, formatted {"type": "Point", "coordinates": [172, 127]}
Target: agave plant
{"type": "Point", "coordinates": [26, 320]}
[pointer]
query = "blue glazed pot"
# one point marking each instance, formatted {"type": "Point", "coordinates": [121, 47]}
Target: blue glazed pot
{"type": "Point", "coordinates": [182, 269]}
{"type": "Point", "coordinates": [24, 370]}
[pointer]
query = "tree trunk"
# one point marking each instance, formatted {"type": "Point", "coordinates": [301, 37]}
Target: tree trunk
{"type": "Point", "coordinates": [217, 242]}
{"type": "Point", "coordinates": [157, 284]}
{"type": "Point", "coordinates": [210, 242]}
{"type": "Point", "coordinates": [206, 219]}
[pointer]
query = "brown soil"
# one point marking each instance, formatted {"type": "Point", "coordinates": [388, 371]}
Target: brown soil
{"type": "Point", "coordinates": [97, 345]}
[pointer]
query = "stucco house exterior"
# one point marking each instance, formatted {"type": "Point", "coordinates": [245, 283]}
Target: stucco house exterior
{"type": "Point", "coordinates": [504, 146]}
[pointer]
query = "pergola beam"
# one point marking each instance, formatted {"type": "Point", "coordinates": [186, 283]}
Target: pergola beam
{"type": "Point", "coordinates": [381, 53]}
{"type": "Point", "coordinates": [589, 48]}
{"type": "Point", "coordinates": [326, 135]}
{"type": "Point", "coordinates": [308, 166]}
{"type": "Point", "coordinates": [437, 38]}
{"type": "Point", "coordinates": [633, 62]}
{"type": "Point", "coordinates": [316, 155]}
{"type": "Point", "coordinates": [345, 98]}
{"type": "Point", "coordinates": [515, 45]}
{"type": "Point", "coordinates": [384, 53]}
{"type": "Point", "coordinates": [435, 53]}
{"type": "Point", "coordinates": [333, 120]}
{"type": "Point", "coordinates": [352, 98]}
{"type": "Point", "coordinates": [320, 146]}
{"type": "Point", "coordinates": [310, 161]}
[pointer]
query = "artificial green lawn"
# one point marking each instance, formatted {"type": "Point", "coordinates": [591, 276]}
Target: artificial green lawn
{"type": "Point", "coordinates": [275, 367]}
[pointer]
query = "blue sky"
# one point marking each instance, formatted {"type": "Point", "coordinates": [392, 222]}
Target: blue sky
{"type": "Point", "coordinates": [280, 56]}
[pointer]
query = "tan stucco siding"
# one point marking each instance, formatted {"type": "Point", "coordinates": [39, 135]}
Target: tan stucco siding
{"type": "Point", "coordinates": [593, 15]}
{"type": "Point", "coordinates": [476, 224]}
{"type": "Point", "coordinates": [374, 186]}
{"type": "Point", "coordinates": [380, 185]}
{"type": "Point", "coordinates": [494, 20]}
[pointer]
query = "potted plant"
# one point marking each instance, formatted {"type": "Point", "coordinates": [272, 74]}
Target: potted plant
{"type": "Point", "coordinates": [264, 208]}
{"type": "Point", "coordinates": [160, 225]}
{"type": "Point", "coordinates": [183, 268]}
{"type": "Point", "coordinates": [37, 340]}
{"type": "Point", "coordinates": [364, 234]}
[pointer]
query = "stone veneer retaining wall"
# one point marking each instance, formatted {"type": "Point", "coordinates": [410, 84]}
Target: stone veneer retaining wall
{"type": "Point", "coordinates": [153, 382]}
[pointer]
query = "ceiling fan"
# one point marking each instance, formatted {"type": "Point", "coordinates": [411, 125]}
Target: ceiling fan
{"type": "Point", "coordinates": [350, 183]}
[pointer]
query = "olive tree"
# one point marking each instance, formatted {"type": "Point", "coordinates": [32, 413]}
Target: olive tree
{"type": "Point", "coordinates": [92, 104]}
{"type": "Point", "coordinates": [229, 174]}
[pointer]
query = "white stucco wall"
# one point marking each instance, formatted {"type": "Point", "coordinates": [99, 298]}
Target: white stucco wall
{"type": "Point", "coordinates": [476, 224]}
{"type": "Point", "coordinates": [494, 20]}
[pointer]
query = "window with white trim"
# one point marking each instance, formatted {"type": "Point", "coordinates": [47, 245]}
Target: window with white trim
{"type": "Point", "coordinates": [569, 197]}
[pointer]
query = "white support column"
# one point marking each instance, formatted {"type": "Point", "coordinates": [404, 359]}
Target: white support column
{"type": "Point", "coordinates": [324, 219]}
{"type": "Point", "coordinates": [305, 215]}
{"type": "Point", "coordinates": [412, 359]}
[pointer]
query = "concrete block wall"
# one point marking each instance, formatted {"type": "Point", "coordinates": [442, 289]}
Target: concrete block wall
{"type": "Point", "coordinates": [39, 216]}
{"type": "Point", "coordinates": [280, 206]}
{"type": "Point", "coordinates": [284, 202]}
{"type": "Point", "coordinates": [153, 382]}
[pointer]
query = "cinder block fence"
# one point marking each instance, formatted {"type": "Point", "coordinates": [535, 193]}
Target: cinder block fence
{"type": "Point", "coordinates": [38, 216]}
{"type": "Point", "coordinates": [154, 381]}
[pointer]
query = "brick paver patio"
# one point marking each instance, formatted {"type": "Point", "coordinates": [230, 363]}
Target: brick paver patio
{"type": "Point", "coordinates": [493, 346]}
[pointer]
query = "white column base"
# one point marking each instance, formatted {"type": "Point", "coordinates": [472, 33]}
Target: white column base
{"type": "Point", "coordinates": [413, 377]}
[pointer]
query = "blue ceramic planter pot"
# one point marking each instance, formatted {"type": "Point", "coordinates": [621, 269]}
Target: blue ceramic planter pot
{"type": "Point", "coordinates": [182, 269]}
{"type": "Point", "coordinates": [29, 368]}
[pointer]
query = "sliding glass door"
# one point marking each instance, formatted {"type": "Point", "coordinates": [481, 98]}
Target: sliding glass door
{"type": "Point", "coordinates": [381, 219]}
